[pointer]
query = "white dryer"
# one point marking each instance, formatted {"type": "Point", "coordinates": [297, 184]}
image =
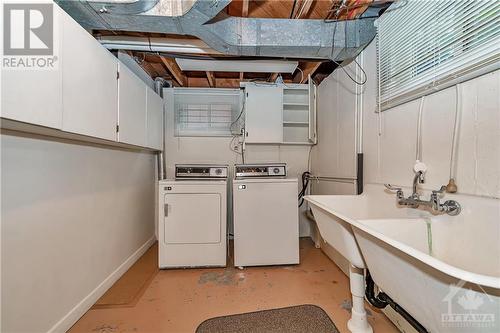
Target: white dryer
{"type": "Point", "coordinates": [265, 216]}
{"type": "Point", "coordinates": [192, 217]}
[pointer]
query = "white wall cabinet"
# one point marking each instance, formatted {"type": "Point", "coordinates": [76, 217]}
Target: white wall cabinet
{"type": "Point", "coordinates": [91, 93]}
{"type": "Point", "coordinates": [90, 85]}
{"type": "Point", "coordinates": [283, 114]}
{"type": "Point", "coordinates": [131, 108]}
{"type": "Point", "coordinates": [263, 113]}
{"type": "Point", "coordinates": [154, 128]}
{"type": "Point", "coordinates": [33, 96]}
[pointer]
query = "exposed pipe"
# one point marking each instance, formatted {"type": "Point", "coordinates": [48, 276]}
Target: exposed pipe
{"type": "Point", "coordinates": [452, 187]}
{"type": "Point", "coordinates": [160, 83]}
{"type": "Point", "coordinates": [154, 44]}
{"type": "Point", "coordinates": [381, 300]}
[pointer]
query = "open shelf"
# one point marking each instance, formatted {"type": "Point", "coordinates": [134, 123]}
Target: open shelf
{"type": "Point", "coordinates": [295, 123]}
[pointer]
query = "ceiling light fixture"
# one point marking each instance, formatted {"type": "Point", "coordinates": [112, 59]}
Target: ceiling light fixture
{"type": "Point", "coordinates": [256, 66]}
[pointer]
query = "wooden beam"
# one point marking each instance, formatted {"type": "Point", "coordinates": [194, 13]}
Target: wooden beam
{"type": "Point", "coordinates": [273, 77]}
{"type": "Point", "coordinates": [307, 68]}
{"type": "Point", "coordinates": [304, 9]}
{"type": "Point", "coordinates": [175, 71]}
{"type": "Point", "coordinates": [211, 79]}
{"type": "Point", "coordinates": [244, 8]}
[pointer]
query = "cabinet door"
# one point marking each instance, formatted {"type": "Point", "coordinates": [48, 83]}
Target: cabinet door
{"type": "Point", "coordinates": [154, 120]}
{"type": "Point", "coordinates": [131, 108]}
{"type": "Point", "coordinates": [312, 111]}
{"type": "Point", "coordinates": [263, 114]}
{"type": "Point", "coordinates": [34, 96]}
{"type": "Point", "coordinates": [90, 85]}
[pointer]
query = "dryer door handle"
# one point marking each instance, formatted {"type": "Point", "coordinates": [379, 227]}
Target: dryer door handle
{"type": "Point", "coordinates": [165, 209]}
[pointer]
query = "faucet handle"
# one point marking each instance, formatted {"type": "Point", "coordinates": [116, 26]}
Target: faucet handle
{"type": "Point", "coordinates": [392, 188]}
{"type": "Point", "coordinates": [441, 190]}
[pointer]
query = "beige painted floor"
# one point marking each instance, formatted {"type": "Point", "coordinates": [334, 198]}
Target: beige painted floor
{"type": "Point", "coordinates": [179, 300]}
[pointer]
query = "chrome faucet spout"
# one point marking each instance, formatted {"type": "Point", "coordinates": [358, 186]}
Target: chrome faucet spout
{"type": "Point", "coordinates": [418, 179]}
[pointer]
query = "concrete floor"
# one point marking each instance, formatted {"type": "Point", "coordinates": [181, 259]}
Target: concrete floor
{"type": "Point", "coordinates": [179, 300]}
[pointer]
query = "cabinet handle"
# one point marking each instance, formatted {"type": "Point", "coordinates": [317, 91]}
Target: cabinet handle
{"type": "Point", "coordinates": [165, 209]}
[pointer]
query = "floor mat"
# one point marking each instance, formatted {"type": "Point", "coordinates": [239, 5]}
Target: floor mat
{"type": "Point", "coordinates": [298, 319]}
{"type": "Point", "coordinates": [128, 289]}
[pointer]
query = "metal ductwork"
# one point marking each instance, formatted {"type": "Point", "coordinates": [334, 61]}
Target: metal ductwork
{"type": "Point", "coordinates": [237, 36]}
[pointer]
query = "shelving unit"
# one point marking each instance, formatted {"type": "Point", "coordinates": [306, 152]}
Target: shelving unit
{"type": "Point", "coordinates": [280, 113]}
{"type": "Point", "coordinates": [296, 114]}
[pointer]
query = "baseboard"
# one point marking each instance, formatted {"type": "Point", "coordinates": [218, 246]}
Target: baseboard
{"type": "Point", "coordinates": [79, 310]}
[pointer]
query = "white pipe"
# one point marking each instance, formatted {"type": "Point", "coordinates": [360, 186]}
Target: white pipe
{"type": "Point", "coordinates": [419, 130]}
{"type": "Point", "coordinates": [456, 131]}
{"type": "Point", "coordinates": [154, 44]}
{"type": "Point", "coordinates": [358, 322]}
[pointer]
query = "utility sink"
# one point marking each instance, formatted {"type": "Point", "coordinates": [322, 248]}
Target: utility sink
{"type": "Point", "coordinates": [429, 264]}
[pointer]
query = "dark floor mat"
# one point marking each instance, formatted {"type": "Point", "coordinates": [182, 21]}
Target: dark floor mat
{"type": "Point", "coordinates": [294, 319]}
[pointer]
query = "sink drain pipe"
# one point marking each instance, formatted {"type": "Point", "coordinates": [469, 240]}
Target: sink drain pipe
{"type": "Point", "coordinates": [381, 300]}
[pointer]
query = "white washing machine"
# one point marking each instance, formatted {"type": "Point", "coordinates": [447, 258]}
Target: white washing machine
{"type": "Point", "coordinates": [192, 217]}
{"type": "Point", "coordinates": [265, 213]}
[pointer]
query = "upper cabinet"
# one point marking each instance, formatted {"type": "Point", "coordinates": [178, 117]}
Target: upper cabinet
{"type": "Point", "coordinates": [282, 113]}
{"type": "Point", "coordinates": [263, 113]}
{"type": "Point", "coordinates": [33, 96]}
{"type": "Point", "coordinates": [91, 94]}
{"type": "Point", "coordinates": [154, 128]}
{"type": "Point", "coordinates": [90, 86]}
{"type": "Point", "coordinates": [131, 108]}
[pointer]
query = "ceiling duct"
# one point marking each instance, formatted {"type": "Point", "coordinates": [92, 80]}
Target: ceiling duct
{"type": "Point", "coordinates": [238, 36]}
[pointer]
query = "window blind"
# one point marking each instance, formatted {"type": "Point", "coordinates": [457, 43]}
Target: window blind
{"type": "Point", "coordinates": [427, 45]}
{"type": "Point", "coordinates": [205, 112]}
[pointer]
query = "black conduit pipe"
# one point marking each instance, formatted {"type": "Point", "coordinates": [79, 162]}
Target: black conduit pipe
{"type": "Point", "coordinates": [381, 300]}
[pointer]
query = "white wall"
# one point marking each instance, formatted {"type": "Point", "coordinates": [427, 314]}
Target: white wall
{"type": "Point", "coordinates": [71, 214]}
{"type": "Point", "coordinates": [216, 150]}
{"type": "Point", "coordinates": [335, 153]}
{"type": "Point", "coordinates": [390, 148]}
{"type": "Point", "coordinates": [389, 142]}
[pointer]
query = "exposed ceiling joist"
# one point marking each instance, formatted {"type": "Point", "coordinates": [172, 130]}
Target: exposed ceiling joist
{"type": "Point", "coordinates": [244, 8]}
{"type": "Point", "coordinates": [304, 9]}
{"type": "Point", "coordinates": [307, 69]}
{"type": "Point", "coordinates": [211, 79]}
{"type": "Point", "coordinates": [175, 71]}
{"type": "Point", "coordinates": [273, 77]}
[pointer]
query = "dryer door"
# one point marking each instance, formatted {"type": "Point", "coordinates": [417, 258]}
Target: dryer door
{"type": "Point", "coordinates": [192, 218]}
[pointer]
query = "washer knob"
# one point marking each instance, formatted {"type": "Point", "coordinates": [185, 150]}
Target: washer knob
{"type": "Point", "coordinates": [276, 170]}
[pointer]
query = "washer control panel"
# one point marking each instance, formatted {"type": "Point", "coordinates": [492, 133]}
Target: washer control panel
{"type": "Point", "coordinates": [200, 171]}
{"type": "Point", "coordinates": [260, 170]}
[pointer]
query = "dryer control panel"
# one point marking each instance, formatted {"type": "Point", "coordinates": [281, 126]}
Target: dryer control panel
{"type": "Point", "coordinates": [260, 170]}
{"type": "Point", "coordinates": [200, 171]}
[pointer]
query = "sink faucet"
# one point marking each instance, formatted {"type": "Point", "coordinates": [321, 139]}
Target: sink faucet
{"type": "Point", "coordinates": [450, 207]}
{"type": "Point", "coordinates": [418, 179]}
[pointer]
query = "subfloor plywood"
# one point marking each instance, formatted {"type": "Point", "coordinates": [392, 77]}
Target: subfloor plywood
{"type": "Point", "coordinates": [179, 300]}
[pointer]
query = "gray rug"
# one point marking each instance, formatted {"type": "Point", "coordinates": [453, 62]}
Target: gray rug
{"type": "Point", "coordinates": [294, 319]}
